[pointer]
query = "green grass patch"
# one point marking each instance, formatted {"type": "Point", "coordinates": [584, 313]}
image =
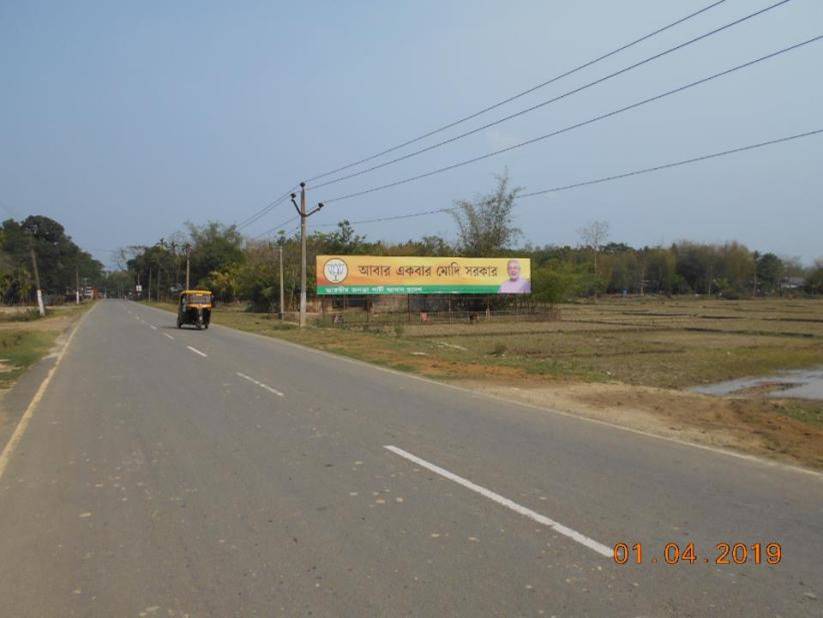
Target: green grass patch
{"type": "Point", "coordinates": [21, 349]}
{"type": "Point", "coordinates": [803, 410]}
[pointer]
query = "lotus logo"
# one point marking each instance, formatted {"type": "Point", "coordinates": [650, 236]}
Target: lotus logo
{"type": "Point", "coordinates": [335, 270]}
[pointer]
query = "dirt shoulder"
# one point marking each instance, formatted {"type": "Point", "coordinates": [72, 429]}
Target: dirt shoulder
{"type": "Point", "coordinates": [787, 430]}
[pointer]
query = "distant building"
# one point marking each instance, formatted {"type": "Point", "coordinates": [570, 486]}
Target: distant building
{"type": "Point", "coordinates": [792, 283]}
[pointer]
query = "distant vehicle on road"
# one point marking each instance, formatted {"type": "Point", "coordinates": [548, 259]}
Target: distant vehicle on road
{"type": "Point", "coordinates": [194, 307]}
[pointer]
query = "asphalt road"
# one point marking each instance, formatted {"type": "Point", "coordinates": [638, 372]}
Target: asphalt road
{"type": "Point", "coordinates": [216, 473]}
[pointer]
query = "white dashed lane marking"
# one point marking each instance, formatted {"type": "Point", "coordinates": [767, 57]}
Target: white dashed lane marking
{"type": "Point", "coordinates": [196, 351]}
{"type": "Point", "coordinates": [510, 504]}
{"type": "Point", "coordinates": [260, 384]}
{"type": "Point", "coordinates": [169, 336]}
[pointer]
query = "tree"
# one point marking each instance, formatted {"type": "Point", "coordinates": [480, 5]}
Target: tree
{"type": "Point", "coordinates": [59, 259]}
{"type": "Point", "coordinates": [555, 282]}
{"type": "Point", "coordinates": [769, 272]}
{"type": "Point", "coordinates": [485, 226]}
{"type": "Point", "coordinates": [594, 236]}
{"type": "Point", "coordinates": [814, 278]}
{"type": "Point", "coordinates": [214, 247]}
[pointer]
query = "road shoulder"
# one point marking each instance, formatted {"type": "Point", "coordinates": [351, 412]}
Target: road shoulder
{"type": "Point", "coordinates": [15, 400]}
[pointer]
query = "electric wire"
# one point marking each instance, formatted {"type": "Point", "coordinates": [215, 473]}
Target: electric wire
{"type": "Point", "coordinates": [547, 102]}
{"type": "Point", "coordinates": [577, 125]}
{"type": "Point", "coordinates": [603, 179]}
{"type": "Point", "coordinates": [519, 94]}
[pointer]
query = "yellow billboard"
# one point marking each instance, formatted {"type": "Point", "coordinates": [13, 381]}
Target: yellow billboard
{"type": "Point", "coordinates": [371, 274]}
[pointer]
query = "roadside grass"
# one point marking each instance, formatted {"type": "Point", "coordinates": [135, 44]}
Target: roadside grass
{"type": "Point", "coordinates": [22, 315]}
{"type": "Point", "coordinates": [25, 337]}
{"type": "Point", "coordinates": [20, 349]}
{"type": "Point", "coordinates": [803, 410]}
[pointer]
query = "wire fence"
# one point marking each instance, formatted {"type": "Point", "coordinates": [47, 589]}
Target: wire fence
{"type": "Point", "coordinates": [369, 319]}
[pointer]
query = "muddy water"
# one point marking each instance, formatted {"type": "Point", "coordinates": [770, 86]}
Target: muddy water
{"type": "Point", "coordinates": [803, 383]}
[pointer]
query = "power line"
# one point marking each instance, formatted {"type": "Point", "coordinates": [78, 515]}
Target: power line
{"type": "Point", "coordinates": [602, 179]}
{"type": "Point", "coordinates": [553, 99]}
{"type": "Point", "coordinates": [576, 125]}
{"type": "Point", "coordinates": [664, 166]}
{"type": "Point", "coordinates": [276, 227]}
{"type": "Point", "coordinates": [520, 94]}
{"type": "Point", "coordinates": [264, 211]}
{"type": "Point", "coordinates": [392, 218]}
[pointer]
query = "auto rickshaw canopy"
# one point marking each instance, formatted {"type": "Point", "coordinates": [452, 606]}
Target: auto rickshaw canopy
{"type": "Point", "coordinates": [196, 298]}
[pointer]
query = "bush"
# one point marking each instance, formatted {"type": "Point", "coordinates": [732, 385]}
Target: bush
{"type": "Point", "coordinates": [557, 282]}
{"type": "Point", "coordinates": [499, 349]}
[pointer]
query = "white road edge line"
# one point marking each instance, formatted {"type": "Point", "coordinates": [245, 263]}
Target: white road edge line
{"type": "Point", "coordinates": [23, 423]}
{"type": "Point", "coordinates": [261, 385]}
{"type": "Point", "coordinates": [196, 351]}
{"type": "Point", "coordinates": [601, 549]}
{"type": "Point", "coordinates": [169, 336]}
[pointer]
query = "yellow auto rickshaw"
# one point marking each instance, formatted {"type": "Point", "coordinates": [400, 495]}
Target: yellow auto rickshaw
{"type": "Point", "coordinates": [194, 307]}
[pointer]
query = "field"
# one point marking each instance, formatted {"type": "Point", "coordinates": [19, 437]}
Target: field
{"type": "Point", "coordinates": [627, 361]}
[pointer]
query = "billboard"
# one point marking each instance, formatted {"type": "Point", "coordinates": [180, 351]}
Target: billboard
{"type": "Point", "coordinates": [370, 274]}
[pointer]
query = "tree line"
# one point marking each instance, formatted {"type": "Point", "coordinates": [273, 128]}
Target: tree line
{"type": "Point", "coordinates": [239, 269]}
{"type": "Point", "coordinates": [242, 269]}
{"type": "Point", "coordinates": [61, 263]}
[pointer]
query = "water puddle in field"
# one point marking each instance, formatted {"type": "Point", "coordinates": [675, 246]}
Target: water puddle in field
{"type": "Point", "coordinates": [801, 383]}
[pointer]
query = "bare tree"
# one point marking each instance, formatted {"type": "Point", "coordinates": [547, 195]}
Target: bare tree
{"type": "Point", "coordinates": [594, 236]}
{"type": "Point", "coordinates": [485, 225]}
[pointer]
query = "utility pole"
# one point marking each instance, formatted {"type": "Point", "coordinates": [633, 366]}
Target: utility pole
{"type": "Point", "coordinates": [40, 305]}
{"type": "Point", "coordinates": [148, 292]}
{"type": "Point", "coordinates": [755, 255]}
{"type": "Point", "coordinates": [282, 309]}
{"type": "Point", "coordinates": [188, 255]}
{"type": "Point", "coordinates": [301, 211]}
{"type": "Point", "coordinates": [76, 285]}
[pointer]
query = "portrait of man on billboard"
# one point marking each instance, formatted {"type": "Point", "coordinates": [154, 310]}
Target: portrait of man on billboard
{"type": "Point", "coordinates": [515, 284]}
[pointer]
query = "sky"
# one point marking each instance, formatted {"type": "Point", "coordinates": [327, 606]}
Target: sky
{"type": "Point", "coordinates": [123, 120]}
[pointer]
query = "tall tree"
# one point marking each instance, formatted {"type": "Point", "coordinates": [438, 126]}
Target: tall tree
{"type": "Point", "coordinates": [594, 236]}
{"type": "Point", "coordinates": [485, 225]}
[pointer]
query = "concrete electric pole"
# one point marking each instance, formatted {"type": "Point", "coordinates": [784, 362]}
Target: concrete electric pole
{"type": "Point", "coordinates": [301, 211]}
{"type": "Point", "coordinates": [282, 309]}
{"type": "Point", "coordinates": [40, 305]}
{"type": "Point", "coordinates": [188, 270]}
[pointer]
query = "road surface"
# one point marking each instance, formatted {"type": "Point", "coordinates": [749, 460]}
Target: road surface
{"type": "Point", "coordinates": [172, 472]}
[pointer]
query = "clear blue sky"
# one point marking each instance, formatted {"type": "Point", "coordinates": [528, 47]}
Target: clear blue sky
{"type": "Point", "coordinates": [122, 120]}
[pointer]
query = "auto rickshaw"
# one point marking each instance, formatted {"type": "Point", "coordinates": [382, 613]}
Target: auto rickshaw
{"type": "Point", "coordinates": [194, 307]}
